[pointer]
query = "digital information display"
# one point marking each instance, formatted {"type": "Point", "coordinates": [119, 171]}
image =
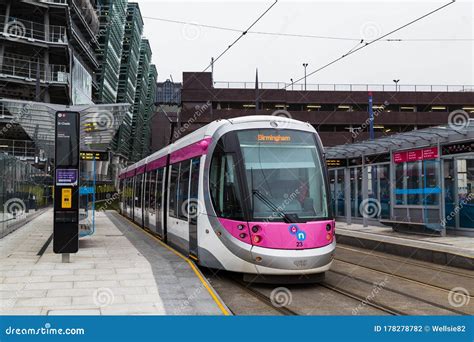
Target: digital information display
{"type": "Point", "coordinates": [66, 189]}
{"type": "Point", "coordinates": [97, 156]}
{"type": "Point", "coordinates": [66, 177]}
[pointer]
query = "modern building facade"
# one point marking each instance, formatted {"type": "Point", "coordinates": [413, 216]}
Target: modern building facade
{"type": "Point", "coordinates": [340, 114]}
{"type": "Point", "coordinates": [47, 55]}
{"type": "Point", "coordinates": [137, 142]}
{"type": "Point", "coordinates": [69, 52]}
{"type": "Point", "coordinates": [150, 110]}
{"type": "Point", "coordinates": [168, 93]}
{"type": "Point", "coordinates": [128, 78]}
{"type": "Point", "coordinates": [112, 15]}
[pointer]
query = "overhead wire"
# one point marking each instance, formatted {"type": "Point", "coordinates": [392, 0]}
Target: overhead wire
{"type": "Point", "coordinates": [352, 51]}
{"type": "Point", "coordinates": [241, 36]}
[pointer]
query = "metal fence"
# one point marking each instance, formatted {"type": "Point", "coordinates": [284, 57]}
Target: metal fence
{"type": "Point", "coordinates": [30, 68]}
{"type": "Point", "coordinates": [17, 28]}
{"type": "Point", "coordinates": [23, 190]}
{"type": "Point", "coordinates": [346, 87]}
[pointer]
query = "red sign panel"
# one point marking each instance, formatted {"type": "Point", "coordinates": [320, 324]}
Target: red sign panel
{"type": "Point", "coordinates": [399, 157]}
{"type": "Point", "coordinates": [414, 155]}
{"type": "Point", "coordinates": [430, 153]}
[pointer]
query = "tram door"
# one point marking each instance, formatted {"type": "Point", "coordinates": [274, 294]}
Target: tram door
{"type": "Point", "coordinates": [160, 227]}
{"type": "Point", "coordinates": [194, 207]}
{"type": "Point", "coordinates": [183, 206]}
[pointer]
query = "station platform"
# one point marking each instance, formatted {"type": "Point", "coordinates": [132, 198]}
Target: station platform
{"type": "Point", "coordinates": [120, 270]}
{"type": "Point", "coordinates": [456, 251]}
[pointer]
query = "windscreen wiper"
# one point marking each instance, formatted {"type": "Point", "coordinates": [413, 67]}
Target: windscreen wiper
{"type": "Point", "coordinates": [288, 218]}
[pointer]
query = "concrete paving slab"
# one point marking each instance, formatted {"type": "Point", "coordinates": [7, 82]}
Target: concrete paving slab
{"type": "Point", "coordinates": [118, 271]}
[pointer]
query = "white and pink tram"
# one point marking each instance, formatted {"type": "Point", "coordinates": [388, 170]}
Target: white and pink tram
{"type": "Point", "coordinates": [247, 195]}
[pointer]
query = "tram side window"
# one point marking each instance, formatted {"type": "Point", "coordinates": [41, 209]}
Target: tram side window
{"type": "Point", "coordinates": [173, 190]}
{"type": "Point", "coordinates": [147, 179]}
{"type": "Point", "coordinates": [183, 189]}
{"type": "Point", "coordinates": [159, 197]}
{"type": "Point", "coordinates": [130, 192]}
{"type": "Point", "coordinates": [152, 182]}
{"type": "Point", "coordinates": [224, 186]}
{"type": "Point", "coordinates": [193, 205]}
{"type": "Point", "coordinates": [121, 182]}
{"type": "Point", "coordinates": [138, 191]}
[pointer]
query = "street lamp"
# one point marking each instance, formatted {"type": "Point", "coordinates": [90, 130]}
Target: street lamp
{"type": "Point", "coordinates": [291, 80]}
{"type": "Point", "coordinates": [305, 65]}
{"type": "Point", "coordinates": [396, 84]}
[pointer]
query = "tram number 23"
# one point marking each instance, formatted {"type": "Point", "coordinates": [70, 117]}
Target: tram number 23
{"type": "Point", "coordinates": [299, 244]}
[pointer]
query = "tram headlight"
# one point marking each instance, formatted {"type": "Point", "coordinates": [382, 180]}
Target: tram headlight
{"type": "Point", "coordinates": [257, 239]}
{"type": "Point", "coordinates": [255, 229]}
{"type": "Point", "coordinates": [328, 227]}
{"type": "Point", "coordinates": [242, 235]}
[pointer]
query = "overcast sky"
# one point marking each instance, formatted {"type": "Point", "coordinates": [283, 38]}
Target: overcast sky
{"type": "Point", "coordinates": [181, 47]}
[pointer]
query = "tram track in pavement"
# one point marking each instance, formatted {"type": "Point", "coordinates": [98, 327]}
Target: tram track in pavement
{"type": "Point", "coordinates": [352, 285]}
{"type": "Point", "coordinates": [399, 276]}
{"type": "Point", "coordinates": [306, 290]}
{"type": "Point", "coordinates": [395, 258]}
{"type": "Point", "coordinates": [429, 302]}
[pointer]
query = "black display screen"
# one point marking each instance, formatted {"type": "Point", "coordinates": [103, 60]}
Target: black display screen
{"type": "Point", "coordinates": [67, 131]}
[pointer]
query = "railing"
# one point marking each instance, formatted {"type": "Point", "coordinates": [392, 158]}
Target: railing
{"type": "Point", "coordinates": [27, 67]}
{"type": "Point", "coordinates": [23, 149]}
{"type": "Point", "coordinates": [61, 2]}
{"type": "Point", "coordinates": [345, 87]}
{"type": "Point", "coordinates": [16, 28]}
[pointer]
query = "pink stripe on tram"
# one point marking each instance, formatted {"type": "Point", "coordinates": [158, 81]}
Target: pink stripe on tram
{"type": "Point", "coordinates": [194, 150]}
{"type": "Point", "coordinates": [141, 169]}
{"type": "Point", "coordinates": [156, 164]}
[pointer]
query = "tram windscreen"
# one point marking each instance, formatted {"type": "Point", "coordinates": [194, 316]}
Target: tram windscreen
{"type": "Point", "coordinates": [284, 174]}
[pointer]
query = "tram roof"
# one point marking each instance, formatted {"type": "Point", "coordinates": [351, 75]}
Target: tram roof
{"type": "Point", "coordinates": [403, 141]}
{"type": "Point", "coordinates": [202, 133]}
